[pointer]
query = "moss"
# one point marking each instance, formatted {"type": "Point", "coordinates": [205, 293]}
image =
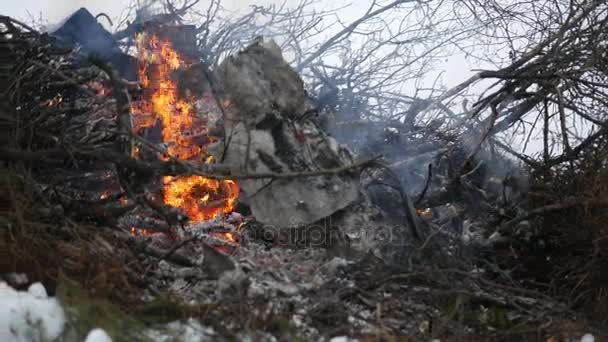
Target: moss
{"type": "Point", "coordinates": [165, 310]}
{"type": "Point", "coordinates": [85, 313]}
{"type": "Point", "coordinates": [280, 325]}
{"type": "Point", "coordinates": [486, 317]}
{"type": "Point", "coordinates": [489, 318]}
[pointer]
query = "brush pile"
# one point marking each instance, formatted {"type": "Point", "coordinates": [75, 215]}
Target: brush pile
{"type": "Point", "coordinates": [318, 245]}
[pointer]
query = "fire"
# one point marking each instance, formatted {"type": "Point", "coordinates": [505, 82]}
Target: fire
{"type": "Point", "coordinates": [199, 197]}
{"type": "Point", "coordinates": [230, 237]}
{"type": "Point", "coordinates": [140, 231]}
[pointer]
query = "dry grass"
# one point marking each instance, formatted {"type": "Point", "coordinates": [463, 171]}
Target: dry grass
{"type": "Point", "coordinates": [28, 243]}
{"type": "Point", "coordinates": [47, 247]}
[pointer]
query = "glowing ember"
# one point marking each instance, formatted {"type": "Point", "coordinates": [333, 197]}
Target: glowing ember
{"type": "Point", "coordinates": [230, 237]}
{"type": "Point", "coordinates": [53, 102]}
{"type": "Point", "coordinates": [199, 197]}
{"type": "Point", "coordinates": [425, 213]}
{"type": "Point", "coordinates": [123, 200]}
{"type": "Point", "coordinates": [140, 232]}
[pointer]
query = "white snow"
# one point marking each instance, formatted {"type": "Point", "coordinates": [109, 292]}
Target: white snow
{"type": "Point", "coordinates": [587, 338]}
{"type": "Point", "coordinates": [37, 290]}
{"type": "Point", "coordinates": [98, 335]}
{"type": "Point", "coordinates": [29, 316]}
{"type": "Point", "coordinates": [342, 339]}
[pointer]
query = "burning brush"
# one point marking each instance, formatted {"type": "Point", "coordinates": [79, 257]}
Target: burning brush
{"type": "Point", "coordinates": [164, 115]}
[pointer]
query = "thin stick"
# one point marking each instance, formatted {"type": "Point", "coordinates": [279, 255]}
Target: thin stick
{"type": "Point", "coordinates": [426, 185]}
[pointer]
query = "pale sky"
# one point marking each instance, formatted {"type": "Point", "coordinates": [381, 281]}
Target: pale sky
{"type": "Point", "coordinates": [55, 10]}
{"type": "Point", "coordinates": [456, 69]}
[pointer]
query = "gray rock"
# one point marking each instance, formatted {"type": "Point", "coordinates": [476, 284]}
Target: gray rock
{"type": "Point", "coordinates": [259, 80]}
{"type": "Point", "coordinates": [267, 130]}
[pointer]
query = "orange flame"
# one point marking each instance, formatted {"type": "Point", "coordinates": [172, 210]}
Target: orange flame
{"type": "Point", "coordinates": [199, 197]}
{"type": "Point", "coordinates": [140, 231]}
{"type": "Point", "coordinates": [230, 237]}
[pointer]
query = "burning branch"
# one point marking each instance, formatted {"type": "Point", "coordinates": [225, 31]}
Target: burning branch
{"type": "Point", "coordinates": [148, 169]}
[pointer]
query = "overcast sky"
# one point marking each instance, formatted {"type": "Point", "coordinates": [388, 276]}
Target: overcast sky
{"type": "Point", "coordinates": [55, 10]}
{"type": "Point", "coordinates": [455, 69]}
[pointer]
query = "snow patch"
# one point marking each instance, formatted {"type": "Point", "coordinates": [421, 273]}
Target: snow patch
{"type": "Point", "coordinates": [29, 316]}
{"type": "Point", "coordinates": [343, 339]}
{"type": "Point", "coordinates": [98, 335]}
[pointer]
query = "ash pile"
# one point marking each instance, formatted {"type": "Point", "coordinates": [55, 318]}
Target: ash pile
{"type": "Point", "coordinates": [214, 200]}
